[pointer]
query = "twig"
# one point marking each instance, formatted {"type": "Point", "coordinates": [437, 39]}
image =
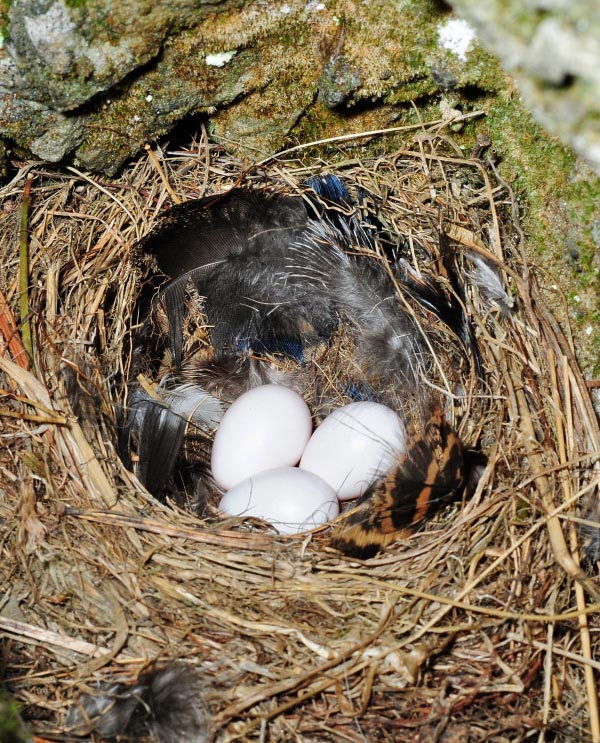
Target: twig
{"type": "Point", "coordinates": [221, 538]}
{"type": "Point", "coordinates": [43, 636]}
{"type": "Point", "coordinates": [161, 172]}
{"type": "Point", "coordinates": [75, 446]}
{"type": "Point", "coordinates": [24, 269]}
{"type": "Point", "coordinates": [360, 135]}
{"type": "Point", "coordinates": [85, 177]}
{"type": "Point", "coordinates": [300, 680]}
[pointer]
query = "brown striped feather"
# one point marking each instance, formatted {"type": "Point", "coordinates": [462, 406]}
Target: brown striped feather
{"type": "Point", "coordinates": [428, 476]}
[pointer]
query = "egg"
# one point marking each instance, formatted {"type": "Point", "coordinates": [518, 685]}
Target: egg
{"type": "Point", "coordinates": [266, 427]}
{"type": "Point", "coordinates": [354, 446]}
{"type": "Point", "coordinates": [291, 499]}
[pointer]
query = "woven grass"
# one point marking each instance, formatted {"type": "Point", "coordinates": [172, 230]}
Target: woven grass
{"type": "Point", "coordinates": [481, 627]}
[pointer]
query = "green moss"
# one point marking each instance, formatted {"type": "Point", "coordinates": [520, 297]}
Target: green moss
{"type": "Point", "coordinates": [560, 201]}
{"type": "Point", "coordinates": [4, 19]}
{"type": "Point", "coordinates": [12, 729]}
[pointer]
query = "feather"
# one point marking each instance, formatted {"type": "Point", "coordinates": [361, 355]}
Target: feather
{"type": "Point", "coordinates": [165, 702]}
{"type": "Point", "coordinates": [208, 231]}
{"type": "Point", "coordinates": [231, 376]}
{"type": "Point", "coordinates": [230, 248]}
{"type": "Point", "coordinates": [428, 475]}
{"type": "Point", "coordinates": [332, 203]}
{"type": "Point", "coordinates": [388, 339]}
{"type": "Point", "coordinates": [490, 285]}
{"type": "Point", "coordinates": [448, 308]}
{"type": "Point", "coordinates": [343, 227]}
{"type": "Point", "coordinates": [331, 188]}
{"type": "Point", "coordinates": [158, 424]}
{"type": "Point", "coordinates": [281, 295]}
{"type": "Point", "coordinates": [253, 303]}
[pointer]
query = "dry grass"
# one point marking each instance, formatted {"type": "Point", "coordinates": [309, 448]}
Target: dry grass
{"type": "Point", "coordinates": [482, 627]}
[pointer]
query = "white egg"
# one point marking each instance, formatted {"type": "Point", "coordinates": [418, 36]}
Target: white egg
{"type": "Point", "coordinates": [290, 499]}
{"type": "Point", "coordinates": [266, 427]}
{"type": "Point", "coordinates": [355, 445]}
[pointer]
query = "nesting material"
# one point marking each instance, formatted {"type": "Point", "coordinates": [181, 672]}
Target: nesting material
{"type": "Point", "coordinates": [483, 626]}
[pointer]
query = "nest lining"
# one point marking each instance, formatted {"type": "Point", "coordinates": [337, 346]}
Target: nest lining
{"type": "Point", "coordinates": [483, 626]}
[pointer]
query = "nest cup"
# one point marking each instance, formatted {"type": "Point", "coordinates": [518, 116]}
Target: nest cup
{"type": "Point", "coordinates": [485, 619]}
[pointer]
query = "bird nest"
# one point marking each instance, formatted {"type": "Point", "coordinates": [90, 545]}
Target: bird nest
{"type": "Point", "coordinates": [482, 626]}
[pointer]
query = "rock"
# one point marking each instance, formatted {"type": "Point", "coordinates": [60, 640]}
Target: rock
{"type": "Point", "coordinates": [552, 48]}
{"type": "Point", "coordinates": [338, 81]}
{"type": "Point", "coordinates": [97, 79]}
{"type": "Point", "coordinates": [47, 133]}
{"type": "Point", "coordinates": [68, 52]}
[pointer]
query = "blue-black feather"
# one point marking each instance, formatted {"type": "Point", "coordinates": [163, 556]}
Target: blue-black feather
{"type": "Point", "coordinates": [331, 188]}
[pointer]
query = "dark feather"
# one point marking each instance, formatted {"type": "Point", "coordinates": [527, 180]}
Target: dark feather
{"type": "Point", "coordinates": [158, 425]}
{"type": "Point", "coordinates": [447, 306]}
{"type": "Point", "coordinates": [166, 703]}
{"type": "Point", "coordinates": [388, 339]}
{"type": "Point", "coordinates": [332, 203]}
{"type": "Point", "coordinates": [331, 190]}
{"type": "Point", "coordinates": [232, 249]}
{"type": "Point", "coordinates": [334, 208]}
{"type": "Point", "coordinates": [205, 232]}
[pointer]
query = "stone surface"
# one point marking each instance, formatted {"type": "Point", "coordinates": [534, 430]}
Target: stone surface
{"type": "Point", "coordinates": [552, 48]}
{"type": "Point", "coordinates": [101, 77]}
{"type": "Point", "coordinates": [58, 58]}
{"type": "Point", "coordinates": [67, 52]}
{"type": "Point", "coordinates": [98, 79]}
